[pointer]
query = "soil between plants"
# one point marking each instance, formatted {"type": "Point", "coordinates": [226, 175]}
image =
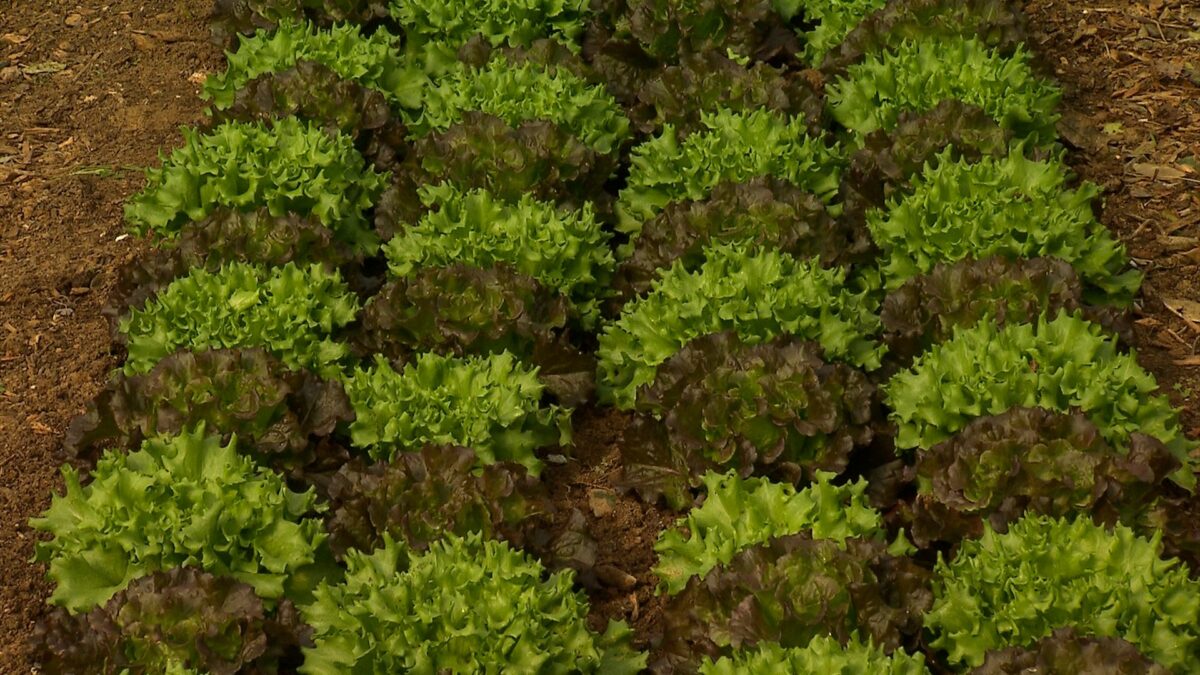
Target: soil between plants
{"type": "Point", "coordinates": [89, 90]}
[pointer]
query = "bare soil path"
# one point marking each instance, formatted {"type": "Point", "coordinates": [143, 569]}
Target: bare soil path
{"type": "Point", "coordinates": [88, 90]}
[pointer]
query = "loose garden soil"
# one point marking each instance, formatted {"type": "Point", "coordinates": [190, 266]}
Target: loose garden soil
{"type": "Point", "coordinates": [88, 91]}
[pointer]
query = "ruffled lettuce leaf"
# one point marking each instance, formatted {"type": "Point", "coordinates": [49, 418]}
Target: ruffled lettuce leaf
{"type": "Point", "coordinates": [775, 409]}
{"type": "Point", "coordinates": [464, 605]}
{"type": "Point", "coordinates": [888, 161]}
{"type": "Point", "coordinates": [462, 310]}
{"type": "Point", "coordinates": [1013, 589]}
{"type": "Point", "coordinates": [731, 147]}
{"type": "Point", "coordinates": [822, 655]}
{"type": "Point", "coordinates": [927, 308]}
{"type": "Point", "coordinates": [185, 500]}
{"type": "Point", "coordinates": [287, 167]}
{"type": "Point", "coordinates": [182, 620]}
{"type": "Point", "coordinates": [533, 159]}
{"type": "Point", "coordinates": [373, 61]}
{"type": "Point", "coordinates": [832, 21]}
{"type": "Point", "coordinates": [916, 75]}
{"type": "Point", "coordinates": [1032, 460]}
{"type": "Point", "coordinates": [279, 416]}
{"type": "Point", "coordinates": [420, 497]}
{"type": "Point", "coordinates": [760, 295]}
{"type": "Point", "coordinates": [228, 236]}
{"type": "Point", "coordinates": [563, 249]}
{"type": "Point", "coordinates": [791, 590]}
{"type": "Point", "coordinates": [741, 513]}
{"type": "Point", "coordinates": [998, 24]}
{"type": "Point", "coordinates": [518, 92]}
{"type": "Point", "coordinates": [766, 211]}
{"type": "Point", "coordinates": [491, 404]}
{"type": "Point", "coordinates": [435, 31]}
{"type": "Point", "coordinates": [314, 92]}
{"type": "Point", "coordinates": [679, 95]}
{"type": "Point", "coordinates": [1011, 206]}
{"type": "Point", "coordinates": [290, 311]}
{"type": "Point", "coordinates": [1059, 364]}
{"type": "Point", "coordinates": [667, 30]}
{"type": "Point", "coordinates": [1066, 650]}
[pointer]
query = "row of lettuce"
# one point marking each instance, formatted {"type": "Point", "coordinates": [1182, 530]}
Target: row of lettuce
{"type": "Point", "coordinates": [827, 253]}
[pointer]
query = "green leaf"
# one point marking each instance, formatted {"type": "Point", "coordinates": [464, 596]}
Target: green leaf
{"type": "Point", "coordinates": [916, 75]}
{"type": "Point", "coordinates": [466, 605]}
{"type": "Point", "coordinates": [731, 146]}
{"type": "Point", "coordinates": [1058, 364]}
{"type": "Point", "coordinates": [563, 249]}
{"type": "Point", "coordinates": [1011, 207]}
{"type": "Point", "coordinates": [288, 167]}
{"type": "Point", "coordinates": [823, 655]}
{"type": "Point", "coordinates": [760, 295]}
{"type": "Point", "coordinates": [185, 500]}
{"type": "Point", "coordinates": [290, 311]}
{"type": "Point", "coordinates": [741, 513]}
{"type": "Point", "coordinates": [521, 91]}
{"type": "Point", "coordinates": [491, 404]}
{"type": "Point", "coordinates": [1014, 589]}
{"type": "Point", "coordinates": [434, 31]}
{"type": "Point", "coordinates": [371, 60]}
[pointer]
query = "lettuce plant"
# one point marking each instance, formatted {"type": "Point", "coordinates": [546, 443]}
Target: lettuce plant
{"type": "Point", "coordinates": [768, 212]}
{"type": "Point", "coordinates": [464, 605]}
{"type": "Point", "coordinates": [533, 159]}
{"type": "Point", "coordinates": [822, 655]}
{"type": "Point", "coordinates": [315, 92]}
{"type": "Point", "coordinates": [741, 513]}
{"type": "Point", "coordinates": [463, 310]}
{"type": "Point", "coordinates": [180, 621]}
{"type": "Point", "coordinates": [759, 295]}
{"type": "Point", "coordinates": [278, 415]}
{"type": "Point", "coordinates": [888, 161]}
{"type": "Point", "coordinates": [998, 24]}
{"type": "Point", "coordinates": [791, 590]}
{"type": "Point", "coordinates": [224, 237]}
{"type": "Point", "coordinates": [562, 249]}
{"type": "Point", "coordinates": [181, 500]}
{"type": "Point", "coordinates": [233, 17]}
{"type": "Point", "coordinates": [731, 146]}
{"type": "Point", "coordinates": [1013, 589]}
{"type": "Point", "coordinates": [290, 311]}
{"type": "Point", "coordinates": [775, 409]}
{"type": "Point", "coordinates": [1058, 364]}
{"type": "Point", "coordinates": [434, 31]}
{"type": "Point", "coordinates": [1011, 206]}
{"type": "Point", "coordinates": [916, 75]}
{"type": "Point", "coordinates": [1038, 461]}
{"type": "Point", "coordinates": [1066, 650]}
{"type": "Point", "coordinates": [287, 167]}
{"type": "Point", "coordinates": [680, 94]}
{"type": "Point", "coordinates": [420, 497]}
{"type": "Point", "coordinates": [373, 61]}
{"type": "Point", "coordinates": [833, 19]}
{"type": "Point", "coordinates": [670, 29]}
{"type": "Point", "coordinates": [927, 308]}
{"type": "Point", "coordinates": [516, 92]}
{"type": "Point", "coordinates": [491, 404]}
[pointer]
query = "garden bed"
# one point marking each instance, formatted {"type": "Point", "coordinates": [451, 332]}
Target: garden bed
{"type": "Point", "coordinates": [92, 98]}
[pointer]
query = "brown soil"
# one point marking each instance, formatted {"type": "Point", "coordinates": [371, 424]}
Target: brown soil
{"type": "Point", "coordinates": [91, 88]}
{"type": "Point", "coordinates": [1131, 74]}
{"type": "Point", "coordinates": [87, 89]}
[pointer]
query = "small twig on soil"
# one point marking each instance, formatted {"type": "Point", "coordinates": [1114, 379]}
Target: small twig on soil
{"type": "Point", "coordinates": [1191, 324]}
